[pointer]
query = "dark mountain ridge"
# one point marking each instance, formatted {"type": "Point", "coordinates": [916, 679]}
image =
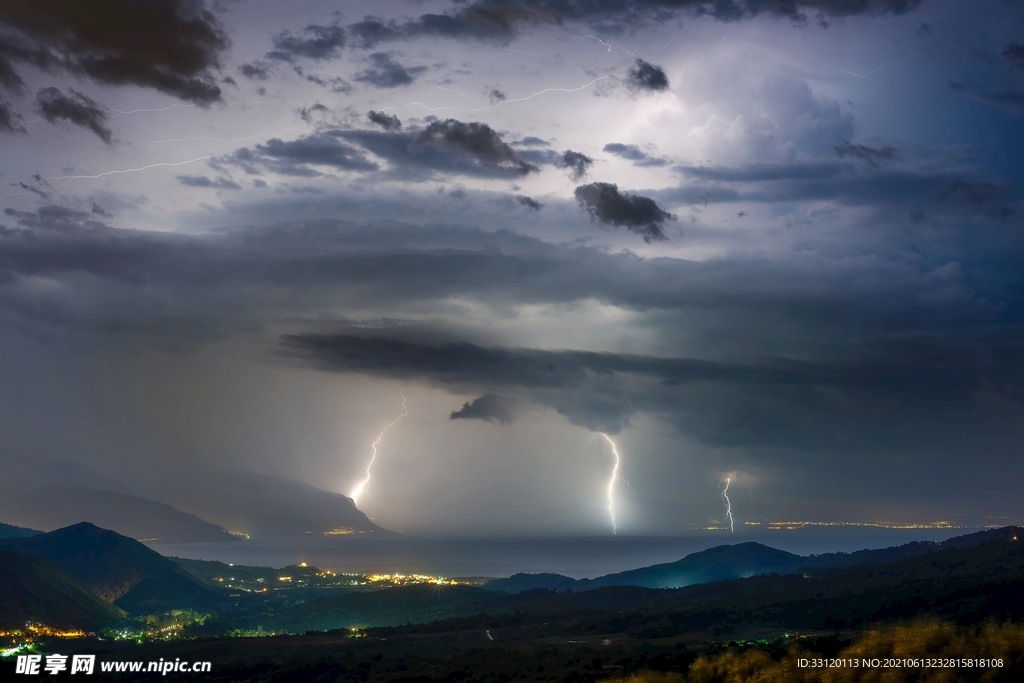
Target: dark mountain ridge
{"type": "Point", "coordinates": [743, 560]}
{"type": "Point", "coordinates": [11, 531]}
{"type": "Point", "coordinates": [117, 569]}
{"type": "Point", "coordinates": [968, 581]}
{"type": "Point", "coordinates": [32, 589]}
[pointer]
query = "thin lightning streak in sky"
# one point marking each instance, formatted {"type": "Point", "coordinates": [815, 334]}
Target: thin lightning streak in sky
{"type": "Point", "coordinates": [850, 73]}
{"type": "Point", "coordinates": [613, 479]}
{"type": "Point", "coordinates": [607, 45]}
{"type": "Point", "coordinates": [669, 41]}
{"type": "Point", "coordinates": [728, 505]}
{"type": "Point", "coordinates": [127, 170]}
{"type": "Point", "coordinates": [192, 138]}
{"type": "Point", "coordinates": [518, 99]}
{"type": "Point", "coordinates": [707, 55]}
{"type": "Point", "coordinates": [361, 486]}
{"type": "Point", "coordinates": [115, 112]}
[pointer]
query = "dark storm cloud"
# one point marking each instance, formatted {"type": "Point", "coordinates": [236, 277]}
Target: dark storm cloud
{"type": "Point", "coordinates": [300, 157]}
{"type": "Point", "coordinates": [844, 183]}
{"type": "Point", "coordinates": [908, 341]}
{"type": "Point", "coordinates": [478, 140]}
{"type": "Point", "coordinates": [307, 112]}
{"type": "Point", "coordinates": [636, 213]}
{"type": "Point", "coordinates": [724, 403]}
{"type": "Point", "coordinates": [333, 83]}
{"type": "Point", "coordinates": [385, 72]}
{"type": "Point", "coordinates": [10, 120]}
{"type": "Point", "coordinates": [168, 45]}
{"type": "Point", "coordinates": [1012, 100]}
{"type": "Point", "coordinates": [450, 146]}
{"type": "Point", "coordinates": [500, 21]}
{"type": "Point", "coordinates": [631, 152]}
{"type": "Point", "coordinates": [529, 202]}
{"type": "Point", "coordinates": [634, 154]}
{"type": "Point", "coordinates": [531, 141]}
{"type": "Point", "coordinates": [646, 76]}
{"type": "Point", "coordinates": [1014, 54]}
{"type": "Point", "coordinates": [973, 192]}
{"type": "Point", "coordinates": [204, 181]}
{"type": "Point", "coordinates": [313, 42]}
{"type": "Point", "coordinates": [388, 122]}
{"type": "Point", "coordinates": [74, 108]}
{"type": "Point", "coordinates": [576, 163]}
{"type": "Point", "coordinates": [869, 155]}
{"type": "Point", "coordinates": [489, 407]}
{"type": "Point", "coordinates": [255, 71]}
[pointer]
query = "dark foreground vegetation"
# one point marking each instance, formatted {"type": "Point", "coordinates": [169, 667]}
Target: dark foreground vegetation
{"type": "Point", "coordinates": [924, 651]}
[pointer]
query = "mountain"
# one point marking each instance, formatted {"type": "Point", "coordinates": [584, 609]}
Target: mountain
{"type": "Point", "coordinates": [9, 531]}
{"type": "Point", "coordinates": [32, 589]}
{"type": "Point", "coordinates": [895, 553]}
{"type": "Point", "coordinates": [52, 507]}
{"type": "Point", "coordinates": [517, 583]}
{"type": "Point", "coordinates": [743, 560]}
{"type": "Point", "coordinates": [715, 564]}
{"type": "Point", "coordinates": [117, 569]}
{"type": "Point", "coordinates": [267, 506]}
{"type": "Point", "coordinates": [964, 584]}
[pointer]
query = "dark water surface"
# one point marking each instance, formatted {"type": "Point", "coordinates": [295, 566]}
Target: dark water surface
{"type": "Point", "coordinates": [579, 557]}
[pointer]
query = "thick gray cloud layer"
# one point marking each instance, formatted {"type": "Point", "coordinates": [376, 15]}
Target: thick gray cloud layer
{"type": "Point", "coordinates": [818, 287]}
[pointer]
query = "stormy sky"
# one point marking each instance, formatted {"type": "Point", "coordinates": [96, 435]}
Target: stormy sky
{"type": "Point", "coordinates": [779, 243]}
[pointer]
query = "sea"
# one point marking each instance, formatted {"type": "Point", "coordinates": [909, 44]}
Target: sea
{"type": "Point", "coordinates": [578, 557]}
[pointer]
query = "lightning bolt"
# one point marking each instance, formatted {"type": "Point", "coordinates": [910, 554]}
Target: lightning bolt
{"type": "Point", "coordinates": [518, 99]}
{"type": "Point", "coordinates": [728, 505]}
{"type": "Point", "coordinates": [615, 477]}
{"type": "Point", "coordinates": [361, 486]}
{"type": "Point", "coordinates": [850, 73]}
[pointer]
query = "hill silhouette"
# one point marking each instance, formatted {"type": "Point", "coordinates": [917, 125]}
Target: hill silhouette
{"type": "Point", "coordinates": [117, 569]}
{"type": "Point", "coordinates": [267, 506]}
{"type": "Point", "coordinates": [967, 584]}
{"type": "Point", "coordinates": [32, 589]}
{"type": "Point", "coordinates": [10, 531]}
{"type": "Point", "coordinates": [52, 507]}
{"type": "Point", "coordinates": [743, 560]}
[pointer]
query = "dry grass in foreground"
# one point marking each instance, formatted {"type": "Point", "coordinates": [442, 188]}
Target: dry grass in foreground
{"type": "Point", "coordinates": [925, 640]}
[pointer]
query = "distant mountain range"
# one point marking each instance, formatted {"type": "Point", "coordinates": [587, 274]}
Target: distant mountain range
{"type": "Point", "coordinates": [743, 560]}
{"type": "Point", "coordinates": [968, 579]}
{"type": "Point", "coordinates": [267, 506]}
{"type": "Point", "coordinates": [117, 569]}
{"type": "Point", "coordinates": [53, 507]}
{"type": "Point", "coordinates": [89, 577]}
{"type": "Point", "coordinates": [202, 507]}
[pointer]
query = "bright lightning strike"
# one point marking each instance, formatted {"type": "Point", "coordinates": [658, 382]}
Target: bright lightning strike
{"type": "Point", "coordinates": [361, 486]}
{"type": "Point", "coordinates": [615, 477]}
{"type": "Point", "coordinates": [728, 505]}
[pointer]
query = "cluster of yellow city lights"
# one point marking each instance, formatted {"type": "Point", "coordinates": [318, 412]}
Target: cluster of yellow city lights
{"type": "Point", "coordinates": [408, 579]}
{"type": "Point", "coordinates": [33, 629]}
